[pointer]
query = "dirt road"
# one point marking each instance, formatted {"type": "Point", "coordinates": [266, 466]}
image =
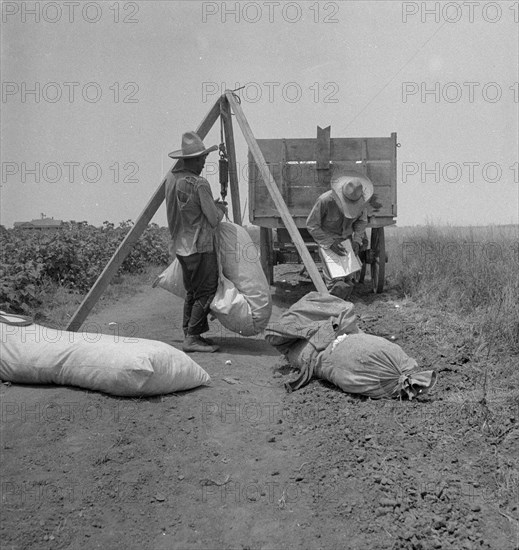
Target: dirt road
{"type": "Point", "coordinates": [243, 465]}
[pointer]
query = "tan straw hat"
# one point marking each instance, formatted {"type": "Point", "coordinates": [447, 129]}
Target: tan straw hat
{"type": "Point", "coordinates": [192, 146]}
{"type": "Point", "coordinates": [352, 190]}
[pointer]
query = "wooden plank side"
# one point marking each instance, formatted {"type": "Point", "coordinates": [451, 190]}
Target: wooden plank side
{"type": "Point", "coordinates": [276, 222]}
{"type": "Point", "coordinates": [296, 175]}
{"type": "Point", "coordinates": [304, 197]}
{"type": "Point", "coordinates": [303, 178]}
{"type": "Point", "coordinates": [304, 149]}
{"type": "Point", "coordinates": [276, 195]}
{"type": "Point", "coordinates": [266, 207]}
{"type": "Point", "coordinates": [384, 196]}
{"type": "Point", "coordinates": [132, 237]}
{"type": "Point", "coordinates": [348, 149]}
{"type": "Point", "coordinates": [271, 149]}
{"type": "Point", "coordinates": [380, 148]}
{"type": "Point", "coordinates": [299, 169]}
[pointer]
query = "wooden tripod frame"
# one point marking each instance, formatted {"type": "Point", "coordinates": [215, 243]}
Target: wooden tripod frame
{"type": "Point", "coordinates": [222, 108]}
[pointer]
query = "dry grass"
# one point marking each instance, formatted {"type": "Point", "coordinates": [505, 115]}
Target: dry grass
{"type": "Point", "coordinates": [59, 303]}
{"type": "Point", "coordinates": [469, 271]}
{"type": "Point", "coordinates": [467, 280]}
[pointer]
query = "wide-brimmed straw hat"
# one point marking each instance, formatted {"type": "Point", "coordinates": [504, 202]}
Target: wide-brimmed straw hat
{"type": "Point", "coordinates": [192, 146]}
{"type": "Point", "coordinates": [352, 191]}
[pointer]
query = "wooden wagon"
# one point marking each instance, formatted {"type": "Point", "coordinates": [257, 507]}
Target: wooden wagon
{"type": "Point", "coordinates": [302, 169]}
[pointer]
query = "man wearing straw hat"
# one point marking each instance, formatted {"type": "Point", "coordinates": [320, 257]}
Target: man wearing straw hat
{"type": "Point", "coordinates": [337, 215]}
{"type": "Point", "coordinates": [193, 216]}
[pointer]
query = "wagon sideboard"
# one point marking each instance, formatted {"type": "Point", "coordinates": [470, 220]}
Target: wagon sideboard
{"type": "Point", "coordinates": [303, 168]}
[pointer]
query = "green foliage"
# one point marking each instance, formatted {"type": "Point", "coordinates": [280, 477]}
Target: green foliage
{"type": "Point", "coordinates": [73, 257]}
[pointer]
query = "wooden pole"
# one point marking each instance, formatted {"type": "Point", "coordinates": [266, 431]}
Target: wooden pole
{"type": "Point", "coordinates": [231, 154]}
{"type": "Point", "coordinates": [132, 237]}
{"type": "Point", "coordinates": [275, 194]}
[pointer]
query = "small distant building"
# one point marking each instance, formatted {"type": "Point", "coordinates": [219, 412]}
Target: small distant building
{"type": "Point", "coordinates": [43, 224]}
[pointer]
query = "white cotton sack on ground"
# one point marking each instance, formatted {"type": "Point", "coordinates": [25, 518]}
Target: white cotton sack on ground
{"type": "Point", "coordinates": [112, 364]}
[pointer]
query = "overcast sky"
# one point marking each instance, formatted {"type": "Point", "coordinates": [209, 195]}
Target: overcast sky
{"type": "Point", "coordinates": [95, 95]}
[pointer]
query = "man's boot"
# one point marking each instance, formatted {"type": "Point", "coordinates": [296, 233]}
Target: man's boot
{"type": "Point", "coordinates": [205, 340]}
{"type": "Point", "coordinates": [194, 343]}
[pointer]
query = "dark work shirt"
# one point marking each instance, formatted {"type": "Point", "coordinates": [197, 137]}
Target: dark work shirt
{"type": "Point", "coordinates": [192, 213]}
{"type": "Point", "coordinates": [326, 222]}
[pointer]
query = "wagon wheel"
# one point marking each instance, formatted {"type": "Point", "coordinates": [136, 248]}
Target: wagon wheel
{"type": "Point", "coordinates": [267, 253]}
{"type": "Point", "coordinates": [378, 261]}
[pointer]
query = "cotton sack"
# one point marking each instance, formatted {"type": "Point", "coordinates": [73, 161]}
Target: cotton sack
{"type": "Point", "coordinates": [242, 302]}
{"type": "Point", "coordinates": [372, 366]}
{"type": "Point", "coordinates": [36, 354]}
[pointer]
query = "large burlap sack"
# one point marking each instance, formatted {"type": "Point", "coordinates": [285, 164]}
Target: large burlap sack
{"type": "Point", "coordinates": [112, 364]}
{"type": "Point", "coordinates": [372, 366]}
{"type": "Point", "coordinates": [307, 328]}
{"type": "Point", "coordinates": [242, 302]}
{"type": "Point", "coordinates": [240, 264]}
{"type": "Point", "coordinates": [171, 279]}
{"type": "Point", "coordinates": [233, 310]}
{"type": "Point", "coordinates": [317, 317]}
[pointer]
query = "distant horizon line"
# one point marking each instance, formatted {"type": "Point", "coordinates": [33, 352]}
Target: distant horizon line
{"type": "Point", "coordinates": [396, 225]}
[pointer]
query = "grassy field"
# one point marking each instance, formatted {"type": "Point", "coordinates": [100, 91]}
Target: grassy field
{"type": "Point", "coordinates": [472, 272]}
{"type": "Point", "coordinates": [469, 273]}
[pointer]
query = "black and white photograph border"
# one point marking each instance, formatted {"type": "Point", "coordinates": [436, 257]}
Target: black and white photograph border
{"type": "Point", "coordinates": [178, 368]}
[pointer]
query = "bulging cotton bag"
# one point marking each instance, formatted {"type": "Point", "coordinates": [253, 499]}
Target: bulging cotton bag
{"type": "Point", "coordinates": [240, 264]}
{"type": "Point", "coordinates": [242, 302]}
{"type": "Point", "coordinates": [36, 354]}
{"type": "Point", "coordinates": [372, 366]}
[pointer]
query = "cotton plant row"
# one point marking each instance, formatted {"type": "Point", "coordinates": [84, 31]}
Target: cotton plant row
{"type": "Point", "coordinates": [72, 257]}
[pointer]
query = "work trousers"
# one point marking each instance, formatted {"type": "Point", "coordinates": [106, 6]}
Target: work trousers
{"type": "Point", "coordinates": [200, 276]}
